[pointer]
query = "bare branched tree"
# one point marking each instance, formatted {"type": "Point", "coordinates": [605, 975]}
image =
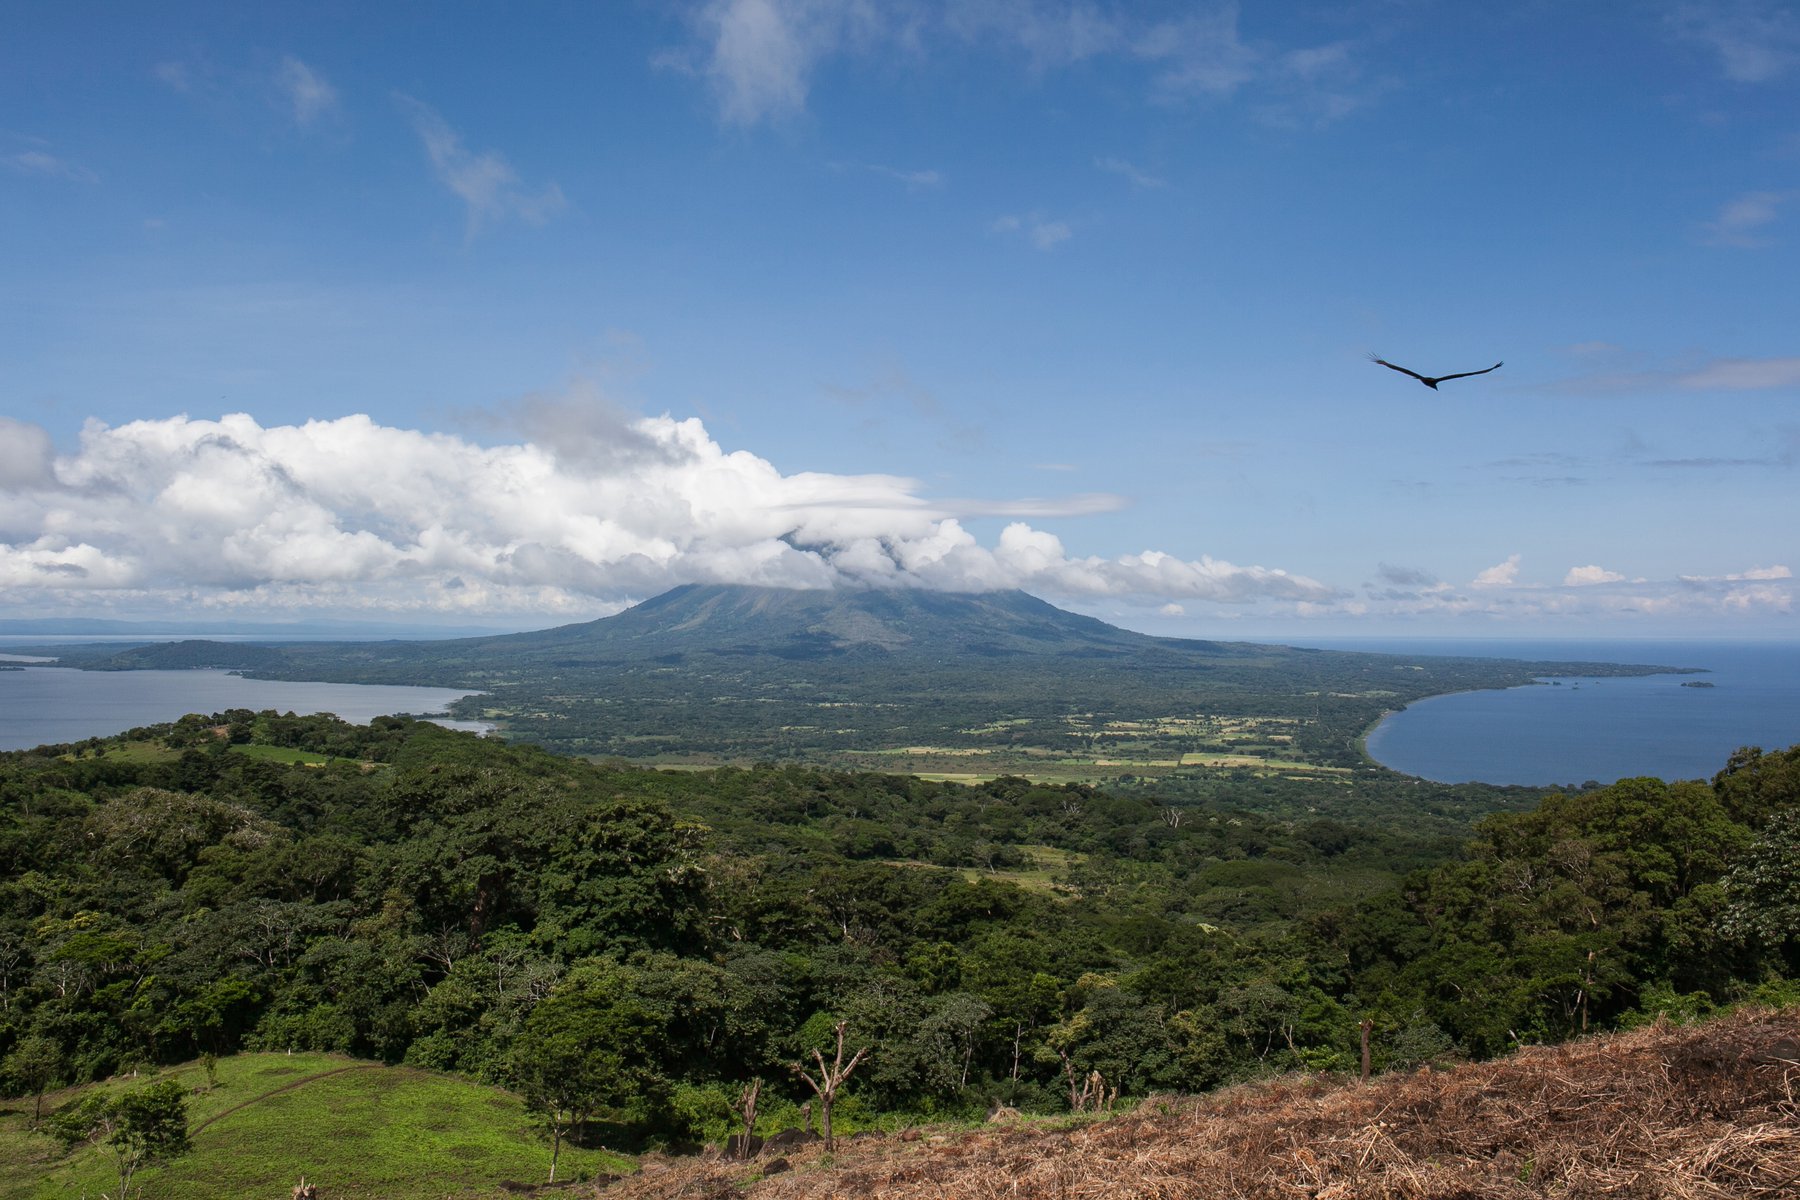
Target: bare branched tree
{"type": "Point", "coordinates": [829, 1079]}
{"type": "Point", "coordinates": [746, 1109]}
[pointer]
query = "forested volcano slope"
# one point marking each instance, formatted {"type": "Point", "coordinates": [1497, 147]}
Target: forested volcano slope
{"type": "Point", "coordinates": [1001, 679]}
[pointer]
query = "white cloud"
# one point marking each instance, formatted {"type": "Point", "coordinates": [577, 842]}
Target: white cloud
{"type": "Point", "coordinates": [914, 180]}
{"type": "Point", "coordinates": [1753, 574]}
{"type": "Point", "coordinates": [1079, 505]}
{"type": "Point", "coordinates": [306, 94]}
{"type": "Point", "coordinates": [1743, 374]}
{"type": "Point", "coordinates": [1051, 35]}
{"type": "Point", "coordinates": [1741, 222]}
{"type": "Point", "coordinates": [596, 508]}
{"type": "Point", "coordinates": [1044, 233]}
{"type": "Point", "coordinates": [1139, 178]}
{"type": "Point", "coordinates": [1498, 576]}
{"type": "Point", "coordinates": [26, 455]}
{"type": "Point", "coordinates": [1590, 575]}
{"type": "Point", "coordinates": [1405, 577]}
{"type": "Point", "coordinates": [37, 162]}
{"type": "Point", "coordinates": [760, 54]}
{"type": "Point", "coordinates": [486, 182]}
{"type": "Point", "coordinates": [1588, 597]}
{"type": "Point", "coordinates": [1757, 41]}
{"type": "Point", "coordinates": [1199, 53]}
{"type": "Point", "coordinates": [174, 76]}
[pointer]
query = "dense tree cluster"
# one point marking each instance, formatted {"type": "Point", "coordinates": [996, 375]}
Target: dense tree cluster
{"type": "Point", "coordinates": [629, 948]}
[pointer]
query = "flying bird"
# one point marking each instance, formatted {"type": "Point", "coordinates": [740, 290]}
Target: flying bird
{"type": "Point", "coordinates": [1431, 381]}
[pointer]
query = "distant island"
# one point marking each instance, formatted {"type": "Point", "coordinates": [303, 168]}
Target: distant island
{"type": "Point", "coordinates": [959, 686]}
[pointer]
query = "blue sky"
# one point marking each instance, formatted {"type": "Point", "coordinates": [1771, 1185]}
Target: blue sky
{"type": "Point", "coordinates": [522, 313]}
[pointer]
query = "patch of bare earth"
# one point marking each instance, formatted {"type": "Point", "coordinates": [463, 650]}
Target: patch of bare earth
{"type": "Point", "coordinates": [1709, 1112]}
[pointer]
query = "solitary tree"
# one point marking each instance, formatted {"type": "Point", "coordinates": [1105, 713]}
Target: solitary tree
{"type": "Point", "coordinates": [581, 1051]}
{"type": "Point", "coordinates": [141, 1127]}
{"type": "Point", "coordinates": [564, 1078]}
{"type": "Point", "coordinates": [34, 1062]}
{"type": "Point", "coordinates": [829, 1079]}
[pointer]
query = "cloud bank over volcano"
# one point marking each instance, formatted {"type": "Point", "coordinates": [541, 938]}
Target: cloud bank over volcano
{"type": "Point", "coordinates": [589, 511]}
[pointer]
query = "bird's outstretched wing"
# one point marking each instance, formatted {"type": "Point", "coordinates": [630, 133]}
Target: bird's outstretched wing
{"type": "Point", "coordinates": [1466, 374]}
{"type": "Point", "coordinates": [1390, 366]}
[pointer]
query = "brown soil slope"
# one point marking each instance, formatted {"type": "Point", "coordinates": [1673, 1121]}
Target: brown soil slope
{"type": "Point", "coordinates": [1678, 1113]}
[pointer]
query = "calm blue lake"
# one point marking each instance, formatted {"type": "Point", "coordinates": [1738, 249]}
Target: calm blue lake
{"type": "Point", "coordinates": [49, 705]}
{"type": "Point", "coordinates": [1581, 729]}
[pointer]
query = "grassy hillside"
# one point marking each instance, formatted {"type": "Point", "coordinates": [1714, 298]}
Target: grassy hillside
{"type": "Point", "coordinates": [1676, 1113]}
{"type": "Point", "coordinates": [360, 1130]}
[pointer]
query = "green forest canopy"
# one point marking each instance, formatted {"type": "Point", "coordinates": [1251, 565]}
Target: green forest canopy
{"type": "Point", "coordinates": [402, 892]}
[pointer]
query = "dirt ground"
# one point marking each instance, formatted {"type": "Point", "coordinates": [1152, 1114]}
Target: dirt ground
{"type": "Point", "coordinates": [1664, 1113]}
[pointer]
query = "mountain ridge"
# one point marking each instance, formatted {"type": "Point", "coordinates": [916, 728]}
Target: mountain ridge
{"type": "Point", "coordinates": [892, 619]}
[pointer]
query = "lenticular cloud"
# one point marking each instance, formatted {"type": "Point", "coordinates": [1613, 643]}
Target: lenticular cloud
{"type": "Point", "coordinates": [349, 513]}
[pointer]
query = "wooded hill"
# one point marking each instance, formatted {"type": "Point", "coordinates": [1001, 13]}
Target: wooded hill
{"type": "Point", "coordinates": [400, 892]}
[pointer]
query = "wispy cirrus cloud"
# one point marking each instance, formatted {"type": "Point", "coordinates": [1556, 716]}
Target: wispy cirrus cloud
{"type": "Point", "coordinates": [914, 180]}
{"type": "Point", "coordinates": [176, 76]}
{"type": "Point", "coordinates": [1744, 222]}
{"type": "Point", "coordinates": [1081, 504]}
{"type": "Point", "coordinates": [760, 57]}
{"type": "Point", "coordinates": [486, 183]}
{"type": "Point", "coordinates": [295, 91]}
{"type": "Point", "coordinates": [1622, 372]}
{"type": "Point", "coordinates": [1755, 41]}
{"type": "Point", "coordinates": [48, 166]}
{"type": "Point", "coordinates": [1741, 374]}
{"type": "Point", "coordinates": [305, 94]}
{"type": "Point", "coordinates": [1139, 178]}
{"type": "Point", "coordinates": [1042, 232]}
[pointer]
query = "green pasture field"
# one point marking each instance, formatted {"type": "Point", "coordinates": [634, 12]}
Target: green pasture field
{"type": "Point", "coordinates": [1047, 863]}
{"type": "Point", "coordinates": [284, 754]}
{"type": "Point", "coordinates": [152, 751]}
{"type": "Point", "coordinates": [358, 1129]}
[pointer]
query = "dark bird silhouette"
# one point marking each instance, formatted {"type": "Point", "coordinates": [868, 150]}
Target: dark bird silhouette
{"type": "Point", "coordinates": [1431, 381]}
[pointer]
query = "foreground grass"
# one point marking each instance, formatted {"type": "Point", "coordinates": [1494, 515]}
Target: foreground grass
{"type": "Point", "coordinates": [362, 1131]}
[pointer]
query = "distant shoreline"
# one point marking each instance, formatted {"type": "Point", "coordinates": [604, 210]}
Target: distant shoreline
{"type": "Point", "coordinates": [1557, 736]}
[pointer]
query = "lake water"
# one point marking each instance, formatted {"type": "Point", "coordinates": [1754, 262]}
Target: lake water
{"type": "Point", "coordinates": [51, 705]}
{"type": "Point", "coordinates": [1546, 735]}
{"type": "Point", "coordinates": [1582, 729]}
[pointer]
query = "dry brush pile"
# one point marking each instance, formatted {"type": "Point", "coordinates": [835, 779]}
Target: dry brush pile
{"type": "Point", "coordinates": [1710, 1112]}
